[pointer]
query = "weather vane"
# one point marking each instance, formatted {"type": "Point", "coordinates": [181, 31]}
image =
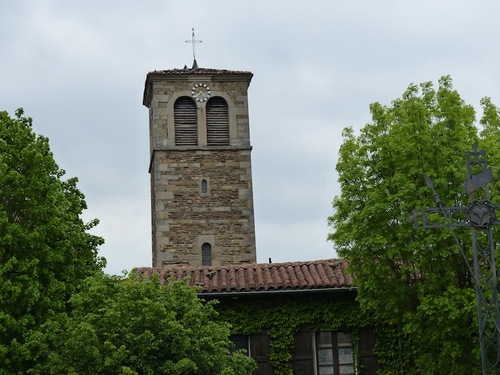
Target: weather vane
{"type": "Point", "coordinates": [193, 41]}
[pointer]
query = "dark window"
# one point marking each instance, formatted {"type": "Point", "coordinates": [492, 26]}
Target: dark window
{"type": "Point", "coordinates": [185, 122]}
{"type": "Point", "coordinates": [204, 186]}
{"type": "Point", "coordinates": [240, 342]}
{"type": "Point", "coordinates": [217, 122]}
{"type": "Point", "coordinates": [206, 254]}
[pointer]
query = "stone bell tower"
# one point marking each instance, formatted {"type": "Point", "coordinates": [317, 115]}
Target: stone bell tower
{"type": "Point", "coordinates": [200, 167]}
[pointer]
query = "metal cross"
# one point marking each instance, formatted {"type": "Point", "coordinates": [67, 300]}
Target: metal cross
{"type": "Point", "coordinates": [193, 41]}
{"type": "Point", "coordinates": [480, 216]}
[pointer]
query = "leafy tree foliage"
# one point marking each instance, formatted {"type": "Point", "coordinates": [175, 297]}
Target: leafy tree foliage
{"type": "Point", "coordinates": [45, 247]}
{"type": "Point", "coordinates": [416, 280]}
{"type": "Point", "coordinates": [128, 327]}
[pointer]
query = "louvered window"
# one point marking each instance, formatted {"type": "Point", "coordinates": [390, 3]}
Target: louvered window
{"type": "Point", "coordinates": [185, 122]}
{"type": "Point", "coordinates": [217, 122]}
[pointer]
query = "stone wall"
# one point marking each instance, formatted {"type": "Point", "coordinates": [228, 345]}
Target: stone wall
{"type": "Point", "coordinates": [186, 217]}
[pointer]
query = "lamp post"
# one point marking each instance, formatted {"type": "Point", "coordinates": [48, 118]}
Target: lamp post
{"type": "Point", "coordinates": [480, 216]}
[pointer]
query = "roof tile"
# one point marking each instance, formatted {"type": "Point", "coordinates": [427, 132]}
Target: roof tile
{"type": "Point", "coordinates": [319, 274]}
{"type": "Point", "coordinates": [200, 71]}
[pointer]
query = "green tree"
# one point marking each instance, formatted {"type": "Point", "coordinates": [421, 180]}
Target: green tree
{"type": "Point", "coordinates": [415, 280]}
{"type": "Point", "coordinates": [129, 326]}
{"type": "Point", "coordinates": [45, 247]}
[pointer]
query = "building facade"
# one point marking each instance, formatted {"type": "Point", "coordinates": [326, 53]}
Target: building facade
{"type": "Point", "coordinates": [200, 167]}
{"type": "Point", "coordinates": [302, 314]}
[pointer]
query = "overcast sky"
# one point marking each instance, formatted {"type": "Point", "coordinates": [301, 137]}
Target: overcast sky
{"type": "Point", "coordinates": [78, 69]}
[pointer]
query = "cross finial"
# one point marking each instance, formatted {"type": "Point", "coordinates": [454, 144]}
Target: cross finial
{"type": "Point", "coordinates": [193, 41]}
{"type": "Point", "coordinates": [475, 152]}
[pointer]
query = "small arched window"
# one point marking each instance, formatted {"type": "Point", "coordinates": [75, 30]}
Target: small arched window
{"type": "Point", "coordinates": [204, 186]}
{"type": "Point", "coordinates": [206, 254]}
{"type": "Point", "coordinates": [185, 122]}
{"type": "Point", "coordinates": [217, 122]}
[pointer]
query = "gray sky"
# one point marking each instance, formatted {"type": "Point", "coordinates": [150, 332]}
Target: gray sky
{"type": "Point", "coordinates": [78, 68]}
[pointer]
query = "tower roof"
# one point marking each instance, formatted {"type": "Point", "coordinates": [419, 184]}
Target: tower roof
{"type": "Point", "coordinates": [200, 71]}
{"type": "Point", "coordinates": [214, 74]}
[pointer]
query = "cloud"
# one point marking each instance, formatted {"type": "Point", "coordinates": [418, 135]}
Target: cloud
{"type": "Point", "coordinates": [78, 68]}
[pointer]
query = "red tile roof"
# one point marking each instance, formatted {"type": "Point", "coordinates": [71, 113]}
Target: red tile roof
{"type": "Point", "coordinates": [328, 274]}
{"type": "Point", "coordinates": [200, 71]}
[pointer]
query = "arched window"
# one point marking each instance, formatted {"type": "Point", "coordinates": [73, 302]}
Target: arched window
{"type": "Point", "coordinates": [206, 254]}
{"type": "Point", "coordinates": [217, 122]}
{"type": "Point", "coordinates": [204, 186]}
{"type": "Point", "coordinates": [185, 122]}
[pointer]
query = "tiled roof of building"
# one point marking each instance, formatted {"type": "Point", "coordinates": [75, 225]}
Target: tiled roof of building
{"type": "Point", "coordinates": [260, 277]}
{"type": "Point", "coordinates": [200, 71]}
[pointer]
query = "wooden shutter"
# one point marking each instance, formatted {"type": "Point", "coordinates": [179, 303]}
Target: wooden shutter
{"type": "Point", "coordinates": [217, 122]}
{"type": "Point", "coordinates": [302, 357]}
{"type": "Point", "coordinates": [367, 359]}
{"type": "Point", "coordinates": [260, 345]}
{"type": "Point", "coordinates": [185, 122]}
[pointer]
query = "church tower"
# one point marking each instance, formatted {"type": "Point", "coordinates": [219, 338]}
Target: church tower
{"type": "Point", "coordinates": [200, 167]}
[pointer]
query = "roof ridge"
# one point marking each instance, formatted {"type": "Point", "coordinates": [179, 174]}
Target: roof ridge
{"type": "Point", "coordinates": [186, 70]}
{"type": "Point", "coordinates": [251, 265]}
